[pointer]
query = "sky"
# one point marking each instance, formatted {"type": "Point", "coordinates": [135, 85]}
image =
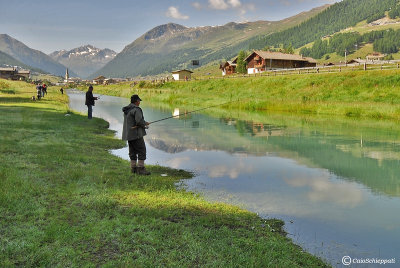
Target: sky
{"type": "Point", "coordinates": [50, 25]}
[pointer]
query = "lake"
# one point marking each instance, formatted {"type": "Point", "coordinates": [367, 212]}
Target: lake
{"type": "Point", "coordinates": [335, 182]}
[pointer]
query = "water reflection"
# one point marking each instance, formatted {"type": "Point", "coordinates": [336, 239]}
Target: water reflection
{"type": "Point", "coordinates": [324, 190]}
{"type": "Point", "coordinates": [335, 183]}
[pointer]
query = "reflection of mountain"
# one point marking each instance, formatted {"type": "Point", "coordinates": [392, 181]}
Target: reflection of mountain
{"type": "Point", "coordinates": [374, 164]}
{"type": "Point", "coordinates": [170, 148]}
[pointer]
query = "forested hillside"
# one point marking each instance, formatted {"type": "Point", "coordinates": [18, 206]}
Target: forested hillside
{"type": "Point", "coordinates": [384, 41]}
{"type": "Point", "coordinates": [335, 18]}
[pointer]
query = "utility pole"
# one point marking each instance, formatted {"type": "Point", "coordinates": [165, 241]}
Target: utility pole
{"type": "Point", "coordinates": [345, 56]}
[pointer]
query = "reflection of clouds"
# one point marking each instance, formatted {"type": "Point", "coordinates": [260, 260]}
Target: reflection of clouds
{"type": "Point", "coordinates": [115, 123]}
{"type": "Point", "coordinates": [324, 190]}
{"type": "Point", "coordinates": [178, 161]}
{"type": "Point", "coordinates": [231, 171]}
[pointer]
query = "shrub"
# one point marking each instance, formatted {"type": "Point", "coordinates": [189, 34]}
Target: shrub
{"type": "Point", "coordinates": [4, 85]}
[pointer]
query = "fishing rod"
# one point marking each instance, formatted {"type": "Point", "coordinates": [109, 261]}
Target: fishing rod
{"type": "Point", "coordinates": [169, 117]}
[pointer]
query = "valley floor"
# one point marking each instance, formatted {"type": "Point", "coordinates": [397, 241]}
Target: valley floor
{"type": "Point", "coordinates": [360, 94]}
{"type": "Point", "coordinates": [66, 201]}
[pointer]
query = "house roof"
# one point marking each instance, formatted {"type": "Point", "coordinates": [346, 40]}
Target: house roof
{"type": "Point", "coordinates": [356, 61]}
{"type": "Point", "coordinates": [24, 72]}
{"type": "Point", "coordinates": [376, 54]}
{"type": "Point", "coordinates": [228, 63]}
{"type": "Point", "coordinates": [280, 56]}
{"type": "Point", "coordinates": [179, 71]}
{"type": "Point", "coordinates": [9, 69]}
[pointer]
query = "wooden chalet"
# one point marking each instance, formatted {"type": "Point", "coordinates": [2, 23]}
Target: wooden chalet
{"type": "Point", "coordinates": [375, 56]}
{"type": "Point", "coordinates": [99, 80]}
{"type": "Point", "coordinates": [22, 74]}
{"type": "Point", "coordinates": [13, 73]}
{"type": "Point", "coordinates": [182, 75]}
{"type": "Point", "coordinates": [229, 67]}
{"type": "Point", "coordinates": [109, 81]}
{"type": "Point", "coordinates": [261, 61]}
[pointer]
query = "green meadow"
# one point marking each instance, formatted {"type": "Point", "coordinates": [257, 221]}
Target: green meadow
{"type": "Point", "coordinates": [361, 94]}
{"type": "Point", "coordinates": [65, 201]}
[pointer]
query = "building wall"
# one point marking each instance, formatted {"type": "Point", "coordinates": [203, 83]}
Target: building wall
{"type": "Point", "coordinates": [6, 74]}
{"type": "Point", "coordinates": [253, 71]}
{"type": "Point", "coordinates": [182, 75]}
{"type": "Point", "coordinates": [175, 76]}
{"type": "Point", "coordinates": [13, 75]}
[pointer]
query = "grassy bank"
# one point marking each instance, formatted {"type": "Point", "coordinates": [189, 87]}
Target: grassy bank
{"type": "Point", "coordinates": [66, 201]}
{"type": "Point", "coordinates": [371, 94]}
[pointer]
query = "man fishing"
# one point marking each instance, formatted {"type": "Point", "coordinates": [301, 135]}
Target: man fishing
{"type": "Point", "coordinates": [89, 101]}
{"type": "Point", "coordinates": [133, 131]}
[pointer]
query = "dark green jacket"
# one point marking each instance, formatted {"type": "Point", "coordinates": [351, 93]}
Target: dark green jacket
{"type": "Point", "coordinates": [133, 116]}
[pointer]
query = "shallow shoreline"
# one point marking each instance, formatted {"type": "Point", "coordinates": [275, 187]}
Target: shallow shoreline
{"type": "Point", "coordinates": [76, 204]}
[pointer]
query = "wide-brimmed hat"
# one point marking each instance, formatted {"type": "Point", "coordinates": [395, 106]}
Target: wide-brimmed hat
{"type": "Point", "coordinates": [135, 98]}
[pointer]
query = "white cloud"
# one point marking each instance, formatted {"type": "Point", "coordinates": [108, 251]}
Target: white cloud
{"type": "Point", "coordinates": [218, 4]}
{"type": "Point", "coordinates": [224, 4]}
{"type": "Point", "coordinates": [234, 3]}
{"type": "Point", "coordinates": [197, 5]}
{"type": "Point", "coordinates": [231, 4]}
{"type": "Point", "coordinates": [173, 12]}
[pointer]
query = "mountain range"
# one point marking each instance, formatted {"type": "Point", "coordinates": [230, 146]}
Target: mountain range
{"type": "Point", "coordinates": [172, 46]}
{"type": "Point", "coordinates": [30, 57]}
{"type": "Point", "coordinates": [84, 60]}
{"type": "Point", "coordinates": [160, 50]}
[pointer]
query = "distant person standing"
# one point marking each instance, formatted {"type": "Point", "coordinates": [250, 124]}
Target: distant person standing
{"type": "Point", "coordinates": [89, 102]}
{"type": "Point", "coordinates": [133, 131]}
{"type": "Point", "coordinates": [62, 91]}
{"type": "Point", "coordinates": [44, 89]}
{"type": "Point", "coordinates": [39, 91]}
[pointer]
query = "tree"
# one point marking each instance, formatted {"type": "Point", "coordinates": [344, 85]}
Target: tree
{"type": "Point", "coordinates": [288, 49]}
{"type": "Point", "coordinates": [241, 64]}
{"type": "Point", "coordinates": [339, 16]}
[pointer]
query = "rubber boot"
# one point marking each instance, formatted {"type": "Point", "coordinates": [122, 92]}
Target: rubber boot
{"type": "Point", "coordinates": [133, 166]}
{"type": "Point", "coordinates": [141, 170]}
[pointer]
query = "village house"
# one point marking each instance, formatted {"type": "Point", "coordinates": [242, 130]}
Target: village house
{"type": "Point", "coordinates": [261, 61]}
{"type": "Point", "coordinates": [375, 56]}
{"type": "Point", "coordinates": [109, 81]}
{"type": "Point", "coordinates": [229, 67]}
{"type": "Point", "coordinates": [14, 74]}
{"type": "Point", "coordinates": [182, 75]}
{"type": "Point", "coordinates": [23, 74]}
{"type": "Point", "coordinates": [99, 80]}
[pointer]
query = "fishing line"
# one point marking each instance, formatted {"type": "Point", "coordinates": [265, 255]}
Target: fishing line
{"type": "Point", "coordinates": [186, 113]}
